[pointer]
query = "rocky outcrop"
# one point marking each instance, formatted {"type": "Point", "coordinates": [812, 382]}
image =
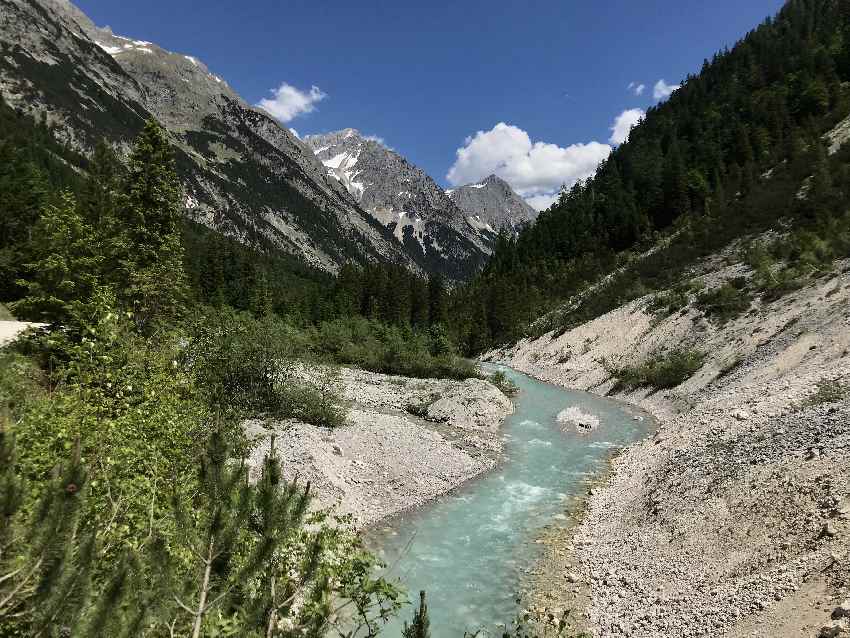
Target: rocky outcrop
{"type": "Point", "coordinates": [402, 197]}
{"type": "Point", "coordinates": [407, 441]}
{"type": "Point", "coordinates": [492, 205]}
{"type": "Point", "coordinates": [733, 519]}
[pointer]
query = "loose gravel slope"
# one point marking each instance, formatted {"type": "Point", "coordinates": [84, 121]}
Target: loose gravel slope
{"type": "Point", "coordinates": [733, 519]}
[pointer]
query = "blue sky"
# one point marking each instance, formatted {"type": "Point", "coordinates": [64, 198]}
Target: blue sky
{"type": "Point", "coordinates": [426, 76]}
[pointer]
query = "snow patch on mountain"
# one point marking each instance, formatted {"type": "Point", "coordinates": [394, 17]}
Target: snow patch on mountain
{"type": "Point", "coordinates": [399, 195]}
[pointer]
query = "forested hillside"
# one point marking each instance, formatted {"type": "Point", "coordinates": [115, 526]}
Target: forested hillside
{"type": "Point", "coordinates": [724, 156]}
{"type": "Point", "coordinates": [121, 420]}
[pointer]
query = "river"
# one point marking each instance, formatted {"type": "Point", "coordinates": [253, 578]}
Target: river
{"type": "Point", "coordinates": [470, 549]}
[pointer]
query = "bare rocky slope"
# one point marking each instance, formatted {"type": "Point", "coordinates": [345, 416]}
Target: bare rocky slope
{"type": "Point", "coordinates": [388, 459]}
{"type": "Point", "coordinates": [492, 204]}
{"type": "Point", "coordinates": [734, 519]}
{"type": "Point", "coordinates": [405, 199]}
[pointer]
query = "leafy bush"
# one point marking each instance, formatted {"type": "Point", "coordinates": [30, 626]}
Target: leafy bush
{"type": "Point", "coordinates": [240, 361]}
{"type": "Point", "coordinates": [317, 401]}
{"type": "Point", "coordinates": [389, 349]}
{"type": "Point", "coordinates": [659, 372]}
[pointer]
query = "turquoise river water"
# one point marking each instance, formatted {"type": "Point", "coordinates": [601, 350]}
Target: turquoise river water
{"type": "Point", "coordinates": [469, 549]}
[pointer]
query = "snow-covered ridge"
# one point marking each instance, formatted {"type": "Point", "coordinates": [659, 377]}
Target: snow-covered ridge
{"type": "Point", "coordinates": [132, 45]}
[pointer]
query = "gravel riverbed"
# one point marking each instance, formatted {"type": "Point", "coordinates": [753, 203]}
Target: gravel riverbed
{"type": "Point", "coordinates": [387, 459]}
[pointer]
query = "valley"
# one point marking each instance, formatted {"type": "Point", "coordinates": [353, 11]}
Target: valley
{"type": "Point", "coordinates": [585, 380]}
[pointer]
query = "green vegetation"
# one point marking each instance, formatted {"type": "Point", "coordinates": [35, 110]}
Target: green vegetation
{"type": "Point", "coordinates": [674, 300]}
{"type": "Point", "coordinates": [725, 157]}
{"type": "Point", "coordinates": [126, 508]}
{"type": "Point", "coordinates": [5, 315]}
{"type": "Point", "coordinates": [110, 526]}
{"type": "Point", "coordinates": [420, 626]}
{"type": "Point", "coordinates": [501, 381]}
{"type": "Point", "coordinates": [659, 372]}
{"type": "Point", "coordinates": [725, 302]}
{"type": "Point", "coordinates": [829, 391]}
{"type": "Point", "coordinates": [794, 259]}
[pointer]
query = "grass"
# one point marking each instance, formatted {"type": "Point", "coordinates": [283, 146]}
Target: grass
{"type": "Point", "coordinates": [659, 372]}
{"type": "Point", "coordinates": [5, 315]}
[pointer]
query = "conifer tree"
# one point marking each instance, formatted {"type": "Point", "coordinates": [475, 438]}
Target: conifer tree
{"type": "Point", "coordinates": [151, 251]}
{"type": "Point", "coordinates": [229, 507]}
{"type": "Point", "coordinates": [421, 625]}
{"type": "Point", "coordinates": [436, 299]}
{"type": "Point", "coordinates": [63, 276]}
{"type": "Point", "coordinates": [46, 564]}
{"type": "Point", "coordinates": [100, 195]}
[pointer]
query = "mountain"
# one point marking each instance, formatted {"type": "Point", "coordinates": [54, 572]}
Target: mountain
{"type": "Point", "coordinates": [403, 198]}
{"type": "Point", "coordinates": [492, 204]}
{"type": "Point", "coordinates": [244, 174]}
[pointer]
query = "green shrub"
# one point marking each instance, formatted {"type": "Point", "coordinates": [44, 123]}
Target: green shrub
{"type": "Point", "coordinates": [390, 349]}
{"type": "Point", "coordinates": [726, 302]}
{"type": "Point", "coordinates": [317, 401]}
{"type": "Point", "coordinates": [673, 300]}
{"type": "Point", "coordinates": [659, 372]}
{"type": "Point", "coordinates": [828, 392]}
{"type": "Point", "coordinates": [501, 381]}
{"type": "Point", "coordinates": [239, 361]}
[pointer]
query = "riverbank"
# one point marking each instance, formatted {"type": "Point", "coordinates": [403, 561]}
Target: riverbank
{"type": "Point", "coordinates": [733, 519]}
{"type": "Point", "coordinates": [407, 442]}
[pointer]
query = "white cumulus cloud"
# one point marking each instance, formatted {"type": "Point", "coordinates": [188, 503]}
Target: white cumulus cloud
{"type": "Point", "coordinates": [636, 88]}
{"type": "Point", "coordinates": [288, 102]}
{"type": "Point", "coordinates": [535, 170]}
{"type": "Point", "coordinates": [623, 124]}
{"type": "Point", "coordinates": [662, 90]}
{"type": "Point", "coordinates": [542, 202]}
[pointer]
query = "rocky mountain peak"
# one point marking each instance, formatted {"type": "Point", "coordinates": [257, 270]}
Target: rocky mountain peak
{"type": "Point", "coordinates": [493, 204]}
{"type": "Point", "coordinates": [243, 173]}
{"type": "Point", "coordinates": [398, 194]}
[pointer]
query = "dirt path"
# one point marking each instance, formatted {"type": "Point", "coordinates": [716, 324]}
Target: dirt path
{"type": "Point", "coordinates": [11, 329]}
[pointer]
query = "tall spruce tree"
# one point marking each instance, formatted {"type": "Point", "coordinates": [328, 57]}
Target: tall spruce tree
{"type": "Point", "coordinates": [63, 275]}
{"type": "Point", "coordinates": [150, 252]}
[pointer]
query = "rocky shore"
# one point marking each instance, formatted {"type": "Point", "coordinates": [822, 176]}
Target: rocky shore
{"type": "Point", "coordinates": [407, 441]}
{"type": "Point", "coordinates": [734, 519]}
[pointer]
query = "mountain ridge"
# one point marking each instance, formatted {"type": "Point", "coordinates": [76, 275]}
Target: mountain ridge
{"type": "Point", "coordinates": [244, 173]}
{"type": "Point", "coordinates": [400, 196]}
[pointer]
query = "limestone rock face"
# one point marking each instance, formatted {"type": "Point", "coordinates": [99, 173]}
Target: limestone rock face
{"type": "Point", "coordinates": [492, 204]}
{"type": "Point", "coordinates": [403, 198]}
